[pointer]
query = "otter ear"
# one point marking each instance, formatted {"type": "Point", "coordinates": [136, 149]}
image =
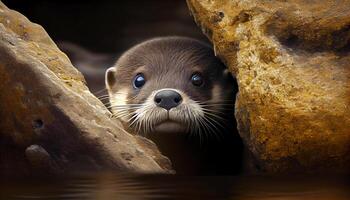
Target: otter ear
{"type": "Point", "coordinates": [110, 77]}
{"type": "Point", "coordinates": [226, 72]}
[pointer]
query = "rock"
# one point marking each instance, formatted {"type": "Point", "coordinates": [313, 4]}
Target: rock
{"type": "Point", "coordinates": [44, 102]}
{"type": "Point", "coordinates": [38, 157]}
{"type": "Point", "coordinates": [292, 63]}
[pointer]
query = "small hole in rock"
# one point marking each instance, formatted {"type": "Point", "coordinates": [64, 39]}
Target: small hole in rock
{"type": "Point", "coordinates": [38, 123]}
{"type": "Point", "coordinates": [221, 14]}
{"type": "Point", "coordinates": [292, 40]}
{"type": "Point", "coordinates": [244, 17]}
{"type": "Point", "coordinates": [345, 49]}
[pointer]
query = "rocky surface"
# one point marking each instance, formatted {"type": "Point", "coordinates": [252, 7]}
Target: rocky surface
{"type": "Point", "coordinates": [50, 122]}
{"type": "Point", "coordinates": [292, 63]}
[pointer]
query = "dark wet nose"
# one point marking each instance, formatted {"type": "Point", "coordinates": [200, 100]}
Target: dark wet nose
{"type": "Point", "coordinates": [167, 99]}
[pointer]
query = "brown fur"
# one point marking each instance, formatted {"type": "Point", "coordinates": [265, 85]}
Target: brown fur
{"type": "Point", "coordinates": [170, 62]}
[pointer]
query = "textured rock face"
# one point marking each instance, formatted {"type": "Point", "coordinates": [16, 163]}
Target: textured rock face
{"type": "Point", "coordinates": [49, 119]}
{"type": "Point", "coordinates": [292, 62]}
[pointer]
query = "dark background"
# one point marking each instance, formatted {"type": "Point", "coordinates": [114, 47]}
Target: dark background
{"type": "Point", "coordinates": [95, 33]}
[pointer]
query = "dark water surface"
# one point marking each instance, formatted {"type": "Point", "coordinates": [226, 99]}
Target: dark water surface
{"type": "Point", "coordinates": [126, 186]}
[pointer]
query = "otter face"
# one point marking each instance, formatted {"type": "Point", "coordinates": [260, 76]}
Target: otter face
{"type": "Point", "coordinates": [170, 85]}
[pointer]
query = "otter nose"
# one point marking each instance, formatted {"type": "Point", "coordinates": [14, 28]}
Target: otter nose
{"type": "Point", "coordinates": [167, 99]}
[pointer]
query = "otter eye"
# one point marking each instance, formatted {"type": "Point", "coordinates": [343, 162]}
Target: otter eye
{"type": "Point", "coordinates": [197, 79]}
{"type": "Point", "coordinates": [139, 81]}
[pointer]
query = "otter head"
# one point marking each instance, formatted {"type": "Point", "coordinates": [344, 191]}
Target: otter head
{"type": "Point", "coordinates": [171, 85]}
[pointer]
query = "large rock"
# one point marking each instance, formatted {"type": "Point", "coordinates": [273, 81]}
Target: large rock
{"type": "Point", "coordinates": [292, 63]}
{"type": "Point", "coordinates": [49, 121]}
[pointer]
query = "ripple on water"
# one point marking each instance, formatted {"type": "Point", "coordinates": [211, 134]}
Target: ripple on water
{"type": "Point", "coordinates": [125, 186]}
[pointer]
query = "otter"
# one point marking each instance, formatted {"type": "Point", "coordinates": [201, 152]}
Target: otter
{"type": "Point", "coordinates": [176, 92]}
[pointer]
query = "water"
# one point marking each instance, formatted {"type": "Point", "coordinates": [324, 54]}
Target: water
{"type": "Point", "coordinates": [126, 186]}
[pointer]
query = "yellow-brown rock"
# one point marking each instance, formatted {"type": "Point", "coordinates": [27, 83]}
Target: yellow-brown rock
{"type": "Point", "coordinates": [49, 121]}
{"type": "Point", "coordinates": [292, 62]}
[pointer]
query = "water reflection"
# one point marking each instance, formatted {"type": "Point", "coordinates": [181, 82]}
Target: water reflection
{"type": "Point", "coordinates": [126, 186]}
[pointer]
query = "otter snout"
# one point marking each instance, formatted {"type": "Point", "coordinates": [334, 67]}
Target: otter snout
{"type": "Point", "coordinates": [167, 99]}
